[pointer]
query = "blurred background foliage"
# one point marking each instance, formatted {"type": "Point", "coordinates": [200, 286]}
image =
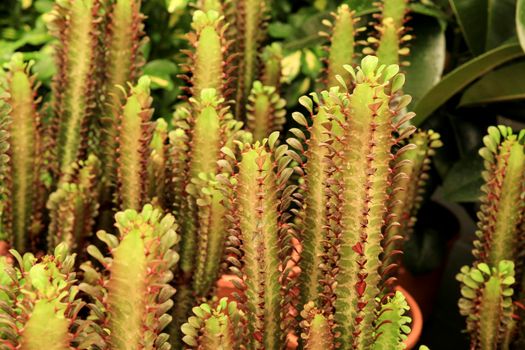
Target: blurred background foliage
{"type": "Point", "coordinates": [466, 72]}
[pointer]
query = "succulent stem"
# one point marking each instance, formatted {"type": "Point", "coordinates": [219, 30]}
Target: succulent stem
{"type": "Point", "coordinates": [123, 60]}
{"type": "Point", "coordinates": [77, 24]}
{"type": "Point", "coordinates": [134, 136]}
{"type": "Point", "coordinates": [74, 205]}
{"type": "Point", "coordinates": [23, 171]}
{"type": "Point", "coordinates": [132, 295]}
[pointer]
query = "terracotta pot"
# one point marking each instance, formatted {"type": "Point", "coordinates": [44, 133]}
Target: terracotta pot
{"type": "Point", "coordinates": [417, 320]}
{"type": "Point", "coordinates": [225, 288]}
{"type": "Point", "coordinates": [422, 287]}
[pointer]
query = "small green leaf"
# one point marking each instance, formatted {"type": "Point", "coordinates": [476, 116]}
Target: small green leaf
{"type": "Point", "coordinates": [468, 293]}
{"type": "Point", "coordinates": [484, 268]}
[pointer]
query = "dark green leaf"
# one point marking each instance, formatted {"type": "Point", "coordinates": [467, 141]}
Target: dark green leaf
{"type": "Point", "coordinates": [463, 181]}
{"type": "Point", "coordinates": [161, 72]}
{"type": "Point", "coordinates": [504, 84]}
{"type": "Point", "coordinates": [280, 30]}
{"type": "Point", "coordinates": [428, 10]}
{"type": "Point", "coordinates": [465, 74]}
{"type": "Point", "coordinates": [520, 22]}
{"type": "Point", "coordinates": [472, 18]}
{"type": "Point", "coordinates": [484, 22]}
{"type": "Point", "coordinates": [427, 58]}
{"type": "Point", "coordinates": [499, 26]}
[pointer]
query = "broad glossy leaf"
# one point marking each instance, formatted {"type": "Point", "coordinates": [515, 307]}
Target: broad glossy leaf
{"type": "Point", "coordinates": [499, 26]}
{"type": "Point", "coordinates": [504, 84]}
{"type": "Point", "coordinates": [463, 181]}
{"type": "Point", "coordinates": [460, 77]}
{"type": "Point", "coordinates": [520, 22]}
{"type": "Point", "coordinates": [161, 73]}
{"type": "Point", "coordinates": [472, 18]}
{"type": "Point", "coordinates": [483, 22]}
{"type": "Point", "coordinates": [427, 58]}
{"type": "Point", "coordinates": [430, 10]}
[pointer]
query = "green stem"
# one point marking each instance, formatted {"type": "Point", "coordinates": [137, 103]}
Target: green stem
{"type": "Point", "coordinates": [24, 152]}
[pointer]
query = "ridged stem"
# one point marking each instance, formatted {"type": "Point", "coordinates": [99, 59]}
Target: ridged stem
{"type": "Point", "coordinates": [259, 232]}
{"type": "Point", "coordinates": [486, 301]}
{"type": "Point", "coordinates": [249, 30]}
{"type": "Point", "coordinates": [353, 194]}
{"type": "Point", "coordinates": [40, 303]}
{"type": "Point", "coordinates": [341, 49]}
{"type": "Point", "coordinates": [390, 44]}
{"type": "Point", "coordinates": [271, 57]}
{"type": "Point", "coordinates": [73, 207]}
{"type": "Point", "coordinates": [77, 25]}
{"type": "Point", "coordinates": [158, 172]}
{"type": "Point", "coordinates": [23, 171]}
{"type": "Point", "coordinates": [265, 112]}
{"type": "Point", "coordinates": [214, 328]}
{"type": "Point", "coordinates": [408, 191]}
{"type": "Point", "coordinates": [208, 61]}
{"type": "Point", "coordinates": [123, 61]}
{"type": "Point", "coordinates": [134, 135]}
{"type": "Point", "coordinates": [502, 208]}
{"type": "Point", "coordinates": [202, 131]}
{"type": "Point", "coordinates": [313, 214]}
{"type": "Point", "coordinates": [131, 296]}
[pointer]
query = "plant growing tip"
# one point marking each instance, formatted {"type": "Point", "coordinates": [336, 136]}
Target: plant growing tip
{"type": "Point", "coordinates": [265, 112]}
{"type": "Point", "coordinates": [219, 327]}
{"type": "Point", "coordinates": [210, 5]}
{"type": "Point", "coordinates": [73, 207]}
{"type": "Point", "coordinates": [131, 295]}
{"type": "Point", "coordinates": [133, 138]}
{"type": "Point", "coordinates": [486, 301]}
{"type": "Point", "coordinates": [271, 57]}
{"type": "Point", "coordinates": [341, 36]}
{"type": "Point", "coordinates": [390, 42]}
{"type": "Point", "coordinates": [40, 302]}
{"type": "Point", "coordinates": [208, 63]}
{"type": "Point", "coordinates": [317, 328]}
